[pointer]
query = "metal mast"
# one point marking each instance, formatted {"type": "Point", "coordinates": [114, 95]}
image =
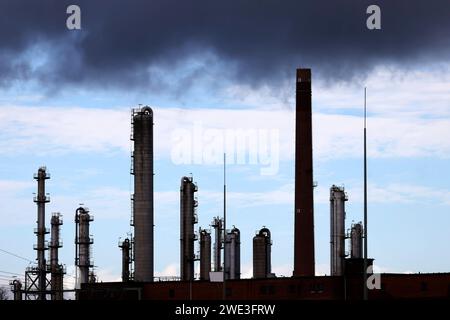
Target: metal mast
{"type": "Point", "coordinates": [365, 199]}
{"type": "Point", "coordinates": [224, 226]}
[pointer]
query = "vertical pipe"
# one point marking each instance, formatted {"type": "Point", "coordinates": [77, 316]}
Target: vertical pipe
{"type": "Point", "coordinates": [365, 198]}
{"type": "Point", "coordinates": [304, 205]}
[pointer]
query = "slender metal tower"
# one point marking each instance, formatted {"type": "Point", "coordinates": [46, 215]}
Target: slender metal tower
{"type": "Point", "coordinates": [56, 269]}
{"type": "Point", "coordinates": [304, 204]}
{"type": "Point", "coordinates": [142, 134]}
{"type": "Point", "coordinates": [41, 199]}
{"type": "Point", "coordinates": [365, 197]}
{"type": "Point", "coordinates": [224, 226]}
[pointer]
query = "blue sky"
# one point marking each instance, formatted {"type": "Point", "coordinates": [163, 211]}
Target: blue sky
{"type": "Point", "coordinates": [82, 136]}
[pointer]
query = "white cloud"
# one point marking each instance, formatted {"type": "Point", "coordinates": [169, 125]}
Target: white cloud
{"type": "Point", "coordinates": [41, 130]}
{"type": "Point", "coordinates": [171, 270]}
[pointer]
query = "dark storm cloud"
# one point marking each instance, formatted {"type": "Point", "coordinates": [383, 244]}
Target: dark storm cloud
{"type": "Point", "coordinates": [127, 43]}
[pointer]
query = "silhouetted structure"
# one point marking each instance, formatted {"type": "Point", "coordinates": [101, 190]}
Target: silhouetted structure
{"type": "Point", "coordinates": [304, 205]}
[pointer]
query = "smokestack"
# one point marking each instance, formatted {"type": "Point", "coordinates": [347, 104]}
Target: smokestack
{"type": "Point", "coordinates": [142, 134]}
{"type": "Point", "coordinates": [41, 199]}
{"type": "Point", "coordinates": [188, 218]}
{"type": "Point", "coordinates": [304, 205]}
{"type": "Point", "coordinates": [56, 269]}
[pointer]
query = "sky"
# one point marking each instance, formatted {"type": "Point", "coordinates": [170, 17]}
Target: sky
{"type": "Point", "coordinates": [212, 71]}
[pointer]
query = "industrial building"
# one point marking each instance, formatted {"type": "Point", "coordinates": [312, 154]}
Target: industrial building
{"type": "Point", "coordinates": [220, 262]}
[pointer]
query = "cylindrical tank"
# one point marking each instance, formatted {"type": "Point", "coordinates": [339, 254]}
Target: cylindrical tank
{"type": "Point", "coordinates": [337, 230]}
{"type": "Point", "coordinates": [126, 259]}
{"type": "Point", "coordinates": [356, 240]}
{"type": "Point", "coordinates": [83, 243]}
{"type": "Point", "coordinates": [205, 254]}
{"type": "Point", "coordinates": [187, 221]}
{"type": "Point", "coordinates": [217, 224]}
{"type": "Point", "coordinates": [233, 252]}
{"type": "Point", "coordinates": [143, 194]}
{"type": "Point", "coordinates": [262, 244]}
{"type": "Point", "coordinates": [56, 269]}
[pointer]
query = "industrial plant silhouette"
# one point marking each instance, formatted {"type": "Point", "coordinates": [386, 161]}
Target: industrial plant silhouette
{"type": "Point", "coordinates": [351, 275]}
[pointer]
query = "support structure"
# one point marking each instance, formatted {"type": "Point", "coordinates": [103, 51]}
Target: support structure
{"type": "Point", "coordinates": [304, 208]}
{"type": "Point", "coordinates": [142, 169]}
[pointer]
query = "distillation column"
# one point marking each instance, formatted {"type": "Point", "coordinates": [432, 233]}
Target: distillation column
{"type": "Point", "coordinates": [142, 134]}
{"type": "Point", "coordinates": [356, 241]}
{"type": "Point", "coordinates": [205, 254]}
{"type": "Point", "coordinates": [262, 243]}
{"type": "Point", "coordinates": [125, 245]}
{"type": "Point", "coordinates": [217, 225]}
{"type": "Point", "coordinates": [188, 218]}
{"type": "Point", "coordinates": [41, 199]}
{"type": "Point", "coordinates": [83, 242]}
{"type": "Point", "coordinates": [337, 230]}
{"type": "Point", "coordinates": [233, 252]}
{"type": "Point", "coordinates": [56, 269]}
